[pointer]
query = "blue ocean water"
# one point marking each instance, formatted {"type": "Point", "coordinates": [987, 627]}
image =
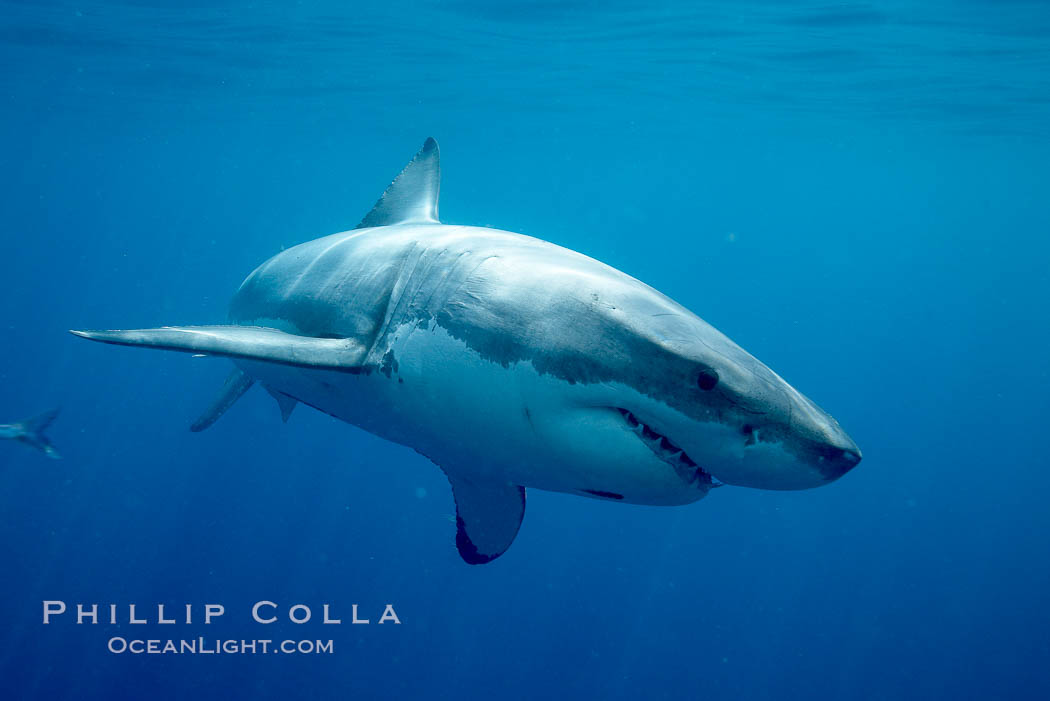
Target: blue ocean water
{"type": "Point", "coordinates": [855, 193]}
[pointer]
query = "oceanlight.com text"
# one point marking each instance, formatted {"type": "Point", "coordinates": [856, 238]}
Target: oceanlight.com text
{"type": "Point", "coordinates": [212, 646]}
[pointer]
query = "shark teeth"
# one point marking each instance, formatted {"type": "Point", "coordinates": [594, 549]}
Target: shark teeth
{"type": "Point", "coordinates": [667, 451]}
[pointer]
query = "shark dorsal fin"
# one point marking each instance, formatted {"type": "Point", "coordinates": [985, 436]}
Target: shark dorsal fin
{"type": "Point", "coordinates": [413, 196]}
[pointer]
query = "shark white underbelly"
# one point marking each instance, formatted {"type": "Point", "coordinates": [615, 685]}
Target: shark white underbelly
{"type": "Point", "coordinates": [485, 422]}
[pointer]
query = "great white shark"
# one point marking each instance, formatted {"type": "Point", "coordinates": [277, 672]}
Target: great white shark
{"type": "Point", "coordinates": [511, 363]}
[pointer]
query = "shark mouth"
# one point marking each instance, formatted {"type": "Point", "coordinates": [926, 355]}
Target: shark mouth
{"type": "Point", "coordinates": [663, 448]}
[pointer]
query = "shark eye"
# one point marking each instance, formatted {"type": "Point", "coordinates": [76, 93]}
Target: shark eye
{"type": "Point", "coordinates": [707, 380]}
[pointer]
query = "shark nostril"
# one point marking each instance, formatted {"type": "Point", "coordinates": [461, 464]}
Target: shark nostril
{"type": "Point", "coordinates": [851, 457]}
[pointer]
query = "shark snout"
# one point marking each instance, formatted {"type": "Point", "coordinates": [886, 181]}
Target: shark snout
{"type": "Point", "coordinates": [840, 462]}
{"type": "Point", "coordinates": [838, 455]}
{"type": "Point", "coordinates": [821, 441]}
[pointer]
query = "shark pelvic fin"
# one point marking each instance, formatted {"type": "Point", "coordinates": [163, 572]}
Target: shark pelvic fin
{"type": "Point", "coordinates": [285, 403]}
{"type": "Point", "coordinates": [413, 196]}
{"type": "Point", "coordinates": [236, 385]}
{"type": "Point", "coordinates": [245, 343]}
{"type": "Point", "coordinates": [488, 517]}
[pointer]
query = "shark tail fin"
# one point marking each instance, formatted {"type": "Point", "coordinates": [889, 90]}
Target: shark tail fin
{"type": "Point", "coordinates": [33, 433]}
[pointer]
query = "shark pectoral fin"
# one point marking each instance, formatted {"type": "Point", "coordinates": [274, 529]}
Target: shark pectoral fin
{"type": "Point", "coordinates": [284, 403]}
{"type": "Point", "coordinates": [243, 342]}
{"type": "Point", "coordinates": [413, 196]}
{"type": "Point", "coordinates": [236, 385]}
{"type": "Point", "coordinates": [488, 517]}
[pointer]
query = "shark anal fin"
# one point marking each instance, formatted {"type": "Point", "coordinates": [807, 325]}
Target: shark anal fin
{"type": "Point", "coordinates": [488, 517]}
{"type": "Point", "coordinates": [243, 342]}
{"type": "Point", "coordinates": [236, 385]}
{"type": "Point", "coordinates": [413, 196]}
{"type": "Point", "coordinates": [285, 403]}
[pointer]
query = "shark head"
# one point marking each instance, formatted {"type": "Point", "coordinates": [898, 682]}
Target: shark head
{"type": "Point", "coordinates": [700, 403]}
{"type": "Point", "coordinates": [647, 385]}
{"type": "Point", "coordinates": [734, 421]}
